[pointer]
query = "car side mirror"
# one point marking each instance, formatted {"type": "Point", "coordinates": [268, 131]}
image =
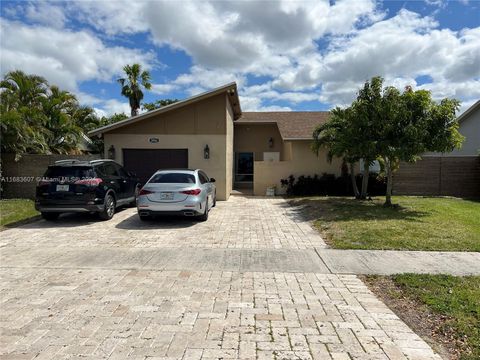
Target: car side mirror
{"type": "Point", "coordinates": [212, 180]}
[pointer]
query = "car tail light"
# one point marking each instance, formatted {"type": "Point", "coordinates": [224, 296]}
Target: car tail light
{"type": "Point", "coordinates": [145, 192]}
{"type": "Point", "coordinates": [43, 183]}
{"type": "Point", "coordinates": [192, 192]}
{"type": "Point", "coordinates": [89, 182]}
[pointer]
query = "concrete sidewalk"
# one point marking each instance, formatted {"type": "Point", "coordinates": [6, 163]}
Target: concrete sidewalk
{"type": "Point", "coordinates": [322, 261]}
{"type": "Point", "coordinates": [387, 262]}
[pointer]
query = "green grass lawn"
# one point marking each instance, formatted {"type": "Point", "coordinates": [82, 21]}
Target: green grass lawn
{"type": "Point", "coordinates": [455, 302]}
{"type": "Point", "coordinates": [418, 223]}
{"type": "Point", "coordinates": [16, 210]}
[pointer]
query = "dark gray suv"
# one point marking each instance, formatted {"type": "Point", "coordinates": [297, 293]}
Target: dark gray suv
{"type": "Point", "coordinates": [98, 186]}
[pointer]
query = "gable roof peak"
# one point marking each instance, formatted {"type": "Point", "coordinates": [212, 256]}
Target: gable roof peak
{"type": "Point", "coordinates": [230, 89]}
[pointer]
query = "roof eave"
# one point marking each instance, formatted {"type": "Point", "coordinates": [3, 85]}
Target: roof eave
{"type": "Point", "coordinates": [467, 112]}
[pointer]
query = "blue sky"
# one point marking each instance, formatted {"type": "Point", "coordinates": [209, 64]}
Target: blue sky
{"type": "Point", "coordinates": [284, 55]}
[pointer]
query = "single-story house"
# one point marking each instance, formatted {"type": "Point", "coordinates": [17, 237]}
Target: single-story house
{"type": "Point", "coordinates": [241, 150]}
{"type": "Point", "coordinates": [255, 150]}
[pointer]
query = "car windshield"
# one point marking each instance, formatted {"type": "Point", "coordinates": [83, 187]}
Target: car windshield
{"type": "Point", "coordinates": [69, 172]}
{"type": "Point", "coordinates": [173, 178]}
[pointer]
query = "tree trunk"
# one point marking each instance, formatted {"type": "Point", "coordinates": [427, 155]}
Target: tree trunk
{"type": "Point", "coordinates": [388, 195]}
{"type": "Point", "coordinates": [134, 112]}
{"type": "Point", "coordinates": [354, 182]}
{"type": "Point", "coordinates": [366, 169]}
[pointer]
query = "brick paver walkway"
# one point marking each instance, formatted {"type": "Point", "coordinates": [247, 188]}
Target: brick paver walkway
{"type": "Point", "coordinates": [69, 290]}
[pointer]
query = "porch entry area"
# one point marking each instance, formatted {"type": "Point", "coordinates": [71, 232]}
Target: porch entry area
{"type": "Point", "coordinates": [243, 172]}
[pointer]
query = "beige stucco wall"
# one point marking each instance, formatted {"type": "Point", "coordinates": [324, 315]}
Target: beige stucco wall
{"type": "Point", "coordinates": [203, 117]}
{"type": "Point", "coordinates": [214, 167]}
{"type": "Point", "coordinates": [254, 138]}
{"type": "Point", "coordinates": [207, 122]}
{"type": "Point", "coordinates": [303, 162]}
{"type": "Point", "coordinates": [229, 147]}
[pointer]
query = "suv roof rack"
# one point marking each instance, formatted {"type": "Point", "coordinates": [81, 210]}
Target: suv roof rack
{"type": "Point", "coordinates": [68, 161]}
{"type": "Point", "coordinates": [98, 160]}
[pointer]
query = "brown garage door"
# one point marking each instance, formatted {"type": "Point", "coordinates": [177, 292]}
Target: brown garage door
{"type": "Point", "coordinates": [144, 162]}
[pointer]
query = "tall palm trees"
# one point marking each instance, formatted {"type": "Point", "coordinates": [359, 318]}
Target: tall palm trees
{"type": "Point", "coordinates": [132, 85]}
{"type": "Point", "coordinates": [21, 122]}
{"type": "Point", "coordinates": [36, 117]}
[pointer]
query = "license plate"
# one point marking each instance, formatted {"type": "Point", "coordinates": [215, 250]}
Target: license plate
{"type": "Point", "coordinates": [166, 196]}
{"type": "Point", "coordinates": [62, 187]}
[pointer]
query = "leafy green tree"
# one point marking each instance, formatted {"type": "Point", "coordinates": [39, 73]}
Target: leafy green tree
{"type": "Point", "coordinates": [158, 104]}
{"type": "Point", "coordinates": [336, 136]}
{"type": "Point", "coordinates": [412, 124]}
{"type": "Point", "coordinates": [365, 125]}
{"type": "Point", "coordinates": [351, 133]}
{"type": "Point", "coordinates": [132, 85]}
{"type": "Point", "coordinates": [390, 126]}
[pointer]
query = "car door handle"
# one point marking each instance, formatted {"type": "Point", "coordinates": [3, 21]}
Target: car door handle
{"type": "Point", "coordinates": [112, 182]}
{"type": "Point", "coordinates": [124, 181]}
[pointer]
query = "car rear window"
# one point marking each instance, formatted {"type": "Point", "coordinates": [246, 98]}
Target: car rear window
{"type": "Point", "coordinates": [173, 178]}
{"type": "Point", "coordinates": [69, 172]}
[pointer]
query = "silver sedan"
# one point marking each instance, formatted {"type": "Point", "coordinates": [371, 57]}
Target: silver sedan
{"type": "Point", "coordinates": [177, 192]}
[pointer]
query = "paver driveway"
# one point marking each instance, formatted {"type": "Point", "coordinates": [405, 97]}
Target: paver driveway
{"type": "Point", "coordinates": [123, 289]}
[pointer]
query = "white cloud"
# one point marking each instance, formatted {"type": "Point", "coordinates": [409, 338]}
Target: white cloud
{"type": "Point", "coordinates": [161, 89]}
{"type": "Point", "coordinates": [229, 41]}
{"type": "Point", "coordinates": [250, 103]}
{"type": "Point", "coordinates": [399, 49]}
{"type": "Point", "coordinates": [104, 107]}
{"type": "Point", "coordinates": [112, 106]}
{"type": "Point", "coordinates": [111, 17]}
{"type": "Point", "coordinates": [64, 57]}
{"type": "Point", "coordinates": [46, 13]}
{"type": "Point", "coordinates": [233, 36]}
{"type": "Point", "coordinates": [200, 79]}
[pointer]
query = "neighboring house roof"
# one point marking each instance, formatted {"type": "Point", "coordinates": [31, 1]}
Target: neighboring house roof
{"type": "Point", "coordinates": [230, 89]}
{"type": "Point", "coordinates": [293, 125]}
{"type": "Point", "coordinates": [467, 112]}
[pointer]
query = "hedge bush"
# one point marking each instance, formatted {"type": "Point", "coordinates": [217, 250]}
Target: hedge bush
{"type": "Point", "coordinates": [331, 185]}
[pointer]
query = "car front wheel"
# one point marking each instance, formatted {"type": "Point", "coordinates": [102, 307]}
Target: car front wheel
{"type": "Point", "coordinates": [108, 208]}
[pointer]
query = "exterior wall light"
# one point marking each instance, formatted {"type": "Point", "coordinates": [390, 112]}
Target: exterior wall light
{"type": "Point", "coordinates": [111, 152]}
{"type": "Point", "coordinates": [270, 142]}
{"type": "Point", "coordinates": [206, 152]}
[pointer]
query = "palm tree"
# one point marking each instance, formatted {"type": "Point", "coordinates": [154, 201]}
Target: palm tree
{"type": "Point", "coordinates": [22, 118]}
{"type": "Point", "coordinates": [20, 89]}
{"type": "Point", "coordinates": [37, 118]}
{"type": "Point", "coordinates": [336, 137]}
{"type": "Point", "coordinates": [63, 133]}
{"type": "Point", "coordinates": [132, 83]}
